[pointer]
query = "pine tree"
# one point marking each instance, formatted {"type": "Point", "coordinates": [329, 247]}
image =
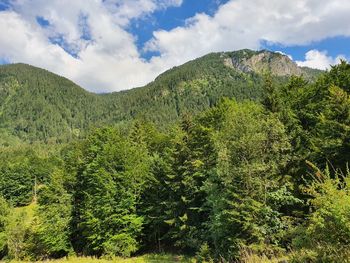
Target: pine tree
{"type": "Point", "coordinates": [110, 180]}
{"type": "Point", "coordinates": [252, 149]}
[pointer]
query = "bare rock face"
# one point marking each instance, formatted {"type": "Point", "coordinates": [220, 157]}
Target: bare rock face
{"type": "Point", "coordinates": [262, 62]}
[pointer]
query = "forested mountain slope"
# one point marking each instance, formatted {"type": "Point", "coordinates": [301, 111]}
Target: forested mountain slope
{"type": "Point", "coordinates": [38, 105]}
{"type": "Point", "coordinates": [260, 180]}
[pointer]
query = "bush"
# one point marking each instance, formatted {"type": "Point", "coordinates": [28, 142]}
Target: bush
{"type": "Point", "coordinates": [120, 245]}
{"type": "Point", "coordinates": [326, 235]}
{"type": "Point", "coordinates": [204, 254]}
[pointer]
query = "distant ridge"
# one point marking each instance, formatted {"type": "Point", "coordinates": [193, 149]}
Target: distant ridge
{"type": "Point", "coordinates": [37, 105]}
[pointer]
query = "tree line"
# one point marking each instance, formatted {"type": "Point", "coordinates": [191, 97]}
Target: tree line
{"type": "Point", "coordinates": [267, 178]}
{"type": "Point", "coordinates": [36, 105]}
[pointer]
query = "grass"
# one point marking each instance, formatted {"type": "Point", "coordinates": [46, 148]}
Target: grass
{"type": "Point", "coordinates": [156, 258]}
{"type": "Point", "coordinates": [249, 257]}
{"type": "Point", "coordinates": [151, 258]}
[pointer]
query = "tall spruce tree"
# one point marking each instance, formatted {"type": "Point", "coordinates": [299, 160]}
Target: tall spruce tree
{"type": "Point", "coordinates": [252, 149]}
{"type": "Point", "coordinates": [110, 179]}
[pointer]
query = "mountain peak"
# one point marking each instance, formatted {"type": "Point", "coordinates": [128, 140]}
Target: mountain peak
{"type": "Point", "coordinates": [263, 61]}
{"type": "Point", "coordinates": [36, 104]}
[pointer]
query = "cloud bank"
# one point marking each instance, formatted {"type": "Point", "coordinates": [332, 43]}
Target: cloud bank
{"type": "Point", "coordinates": [319, 60]}
{"type": "Point", "coordinates": [88, 40]}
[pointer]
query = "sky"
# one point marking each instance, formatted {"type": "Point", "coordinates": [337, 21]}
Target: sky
{"type": "Point", "coordinates": [113, 45]}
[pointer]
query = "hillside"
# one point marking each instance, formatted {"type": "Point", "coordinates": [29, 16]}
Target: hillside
{"type": "Point", "coordinates": [38, 105]}
{"type": "Point", "coordinates": [242, 181]}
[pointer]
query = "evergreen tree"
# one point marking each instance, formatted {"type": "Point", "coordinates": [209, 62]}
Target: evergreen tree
{"type": "Point", "coordinates": [252, 150]}
{"type": "Point", "coordinates": [110, 179]}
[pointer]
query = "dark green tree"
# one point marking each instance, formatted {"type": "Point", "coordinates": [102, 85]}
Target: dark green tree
{"type": "Point", "coordinates": [110, 179]}
{"type": "Point", "coordinates": [245, 194]}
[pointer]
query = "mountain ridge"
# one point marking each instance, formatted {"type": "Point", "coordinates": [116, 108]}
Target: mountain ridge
{"type": "Point", "coordinates": [36, 104]}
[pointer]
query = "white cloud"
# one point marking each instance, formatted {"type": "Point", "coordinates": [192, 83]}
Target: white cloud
{"type": "Point", "coordinates": [244, 24]}
{"type": "Point", "coordinates": [319, 60]}
{"type": "Point", "coordinates": [23, 42]}
{"type": "Point", "coordinates": [282, 53]}
{"type": "Point", "coordinates": [106, 62]}
{"type": "Point", "coordinates": [110, 60]}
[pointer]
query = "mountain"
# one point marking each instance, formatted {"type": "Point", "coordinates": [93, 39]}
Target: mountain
{"type": "Point", "coordinates": [264, 61]}
{"type": "Point", "coordinates": [38, 105]}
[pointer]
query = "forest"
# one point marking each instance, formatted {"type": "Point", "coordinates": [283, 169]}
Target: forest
{"type": "Point", "coordinates": [39, 106]}
{"type": "Point", "coordinates": [260, 179]}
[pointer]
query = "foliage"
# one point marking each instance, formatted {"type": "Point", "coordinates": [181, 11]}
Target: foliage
{"type": "Point", "coordinates": [184, 171]}
{"type": "Point", "coordinates": [17, 231]}
{"type": "Point", "coordinates": [327, 231]}
{"type": "Point", "coordinates": [36, 105]}
{"type": "Point", "coordinates": [20, 169]}
{"type": "Point", "coordinates": [4, 213]}
{"type": "Point", "coordinates": [246, 195]}
{"type": "Point", "coordinates": [204, 254]}
{"type": "Point", "coordinates": [148, 258]}
{"type": "Point", "coordinates": [50, 235]}
{"type": "Point", "coordinates": [110, 178]}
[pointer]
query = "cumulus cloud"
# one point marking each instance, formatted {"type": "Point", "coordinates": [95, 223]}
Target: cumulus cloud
{"type": "Point", "coordinates": [105, 60]}
{"type": "Point", "coordinates": [88, 41]}
{"type": "Point", "coordinates": [319, 60]}
{"type": "Point", "coordinates": [27, 43]}
{"type": "Point", "coordinates": [244, 24]}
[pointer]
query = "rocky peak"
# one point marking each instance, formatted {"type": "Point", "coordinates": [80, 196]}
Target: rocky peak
{"type": "Point", "coordinates": [262, 61]}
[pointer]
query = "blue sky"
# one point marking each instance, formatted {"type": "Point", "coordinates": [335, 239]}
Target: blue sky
{"type": "Point", "coordinates": [111, 45]}
{"type": "Point", "coordinates": [176, 16]}
{"type": "Point", "coordinates": [334, 46]}
{"type": "Point", "coordinates": [168, 19]}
